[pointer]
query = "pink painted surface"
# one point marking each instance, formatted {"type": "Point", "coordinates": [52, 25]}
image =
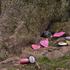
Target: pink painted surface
{"type": "Point", "coordinates": [35, 46]}
{"type": "Point", "coordinates": [59, 34]}
{"type": "Point", "coordinates": [44, 42]}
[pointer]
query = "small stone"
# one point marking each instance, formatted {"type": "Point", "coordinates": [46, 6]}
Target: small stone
{"type": "Point", "coordinates": [32, 59]}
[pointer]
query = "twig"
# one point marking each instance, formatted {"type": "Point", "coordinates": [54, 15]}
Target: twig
{"type": "Point", "coordinates": [38, 66]}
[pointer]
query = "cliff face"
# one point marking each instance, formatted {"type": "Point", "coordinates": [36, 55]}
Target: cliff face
{"type": "Point", "coordinates": [24, 20]}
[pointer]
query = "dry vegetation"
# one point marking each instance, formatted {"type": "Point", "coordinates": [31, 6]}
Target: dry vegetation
{"type": "Point", "coordinates": [22, 22]}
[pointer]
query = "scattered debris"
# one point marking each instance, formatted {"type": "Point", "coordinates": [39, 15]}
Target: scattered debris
{"type": "Point", "coordinates": [67, 38]}
{"type": "Point", "coordinates": [35, 46]}
{"type": "Point", "coordinates": [44, 42]}
{"type": "Point", "coordinates": [58, 34]}
{"type": "Point", "coordinates": [62, 43]}
{"type": "Point", "coordinates": [30, 59]}
{"type": "Point", "coordinates": [46, 34]}
{"type": "Point", "coordinates": [24, 61]}
{"type": "Point", "coordinates": [49, 40]}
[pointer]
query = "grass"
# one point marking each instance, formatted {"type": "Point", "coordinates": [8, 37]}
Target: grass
{"type": "Point", "coordinates": [63, 62]}
{"type": "Point", "coordinates": [45, 64]}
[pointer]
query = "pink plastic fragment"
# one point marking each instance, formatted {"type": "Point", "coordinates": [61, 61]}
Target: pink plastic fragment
{"type": "Point", "coordinates": [35, 46]}
{"type": "Point", "coordinates": [24, 61]}
{"type": "Point", "coordinates": [59, 34]}
{"type": "Point", "coordinates": [44, 42]}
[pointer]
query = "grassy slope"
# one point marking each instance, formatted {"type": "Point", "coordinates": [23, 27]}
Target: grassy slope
{"type": "Point", "coordinates": [44, 63]}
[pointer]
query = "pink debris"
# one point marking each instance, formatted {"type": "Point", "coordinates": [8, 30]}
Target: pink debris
{"type": "Point", "coordinates": [59, 34]}
{"type": "Point", "coordinates": [24, 61]}
{"type": "Point", "coordinates": [44, 42]}
{"type": "Point", "coordinates": [35, 46]}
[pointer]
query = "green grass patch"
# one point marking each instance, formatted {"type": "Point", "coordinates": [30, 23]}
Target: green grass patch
{"type": "Point", "coordinates": [57, 63]}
